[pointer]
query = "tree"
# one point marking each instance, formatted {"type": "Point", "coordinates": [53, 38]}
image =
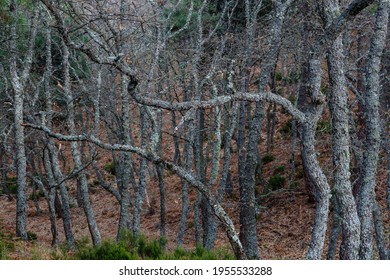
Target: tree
{"type": "Point", "coordinates": [19, 79]}
{"type": "Point", "coordinates": [112, 74]}
{"type": "Point", "coordinates": [372, 126]}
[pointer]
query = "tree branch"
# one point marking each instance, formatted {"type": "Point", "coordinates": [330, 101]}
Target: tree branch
{"type": "Point", "coordinates": [182, 173]}
{"type": "Point", "coordinates": [220, 100]}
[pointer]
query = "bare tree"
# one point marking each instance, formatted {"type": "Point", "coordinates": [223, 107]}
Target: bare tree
{"type": "Point", "coordinates": [339, 109]}
{"type": "Point", "coordinates": [213, 68]}
{"type": "Point", "coordinates": [19, 79]}
{"type": "Point", "coordinates": [372, 126]}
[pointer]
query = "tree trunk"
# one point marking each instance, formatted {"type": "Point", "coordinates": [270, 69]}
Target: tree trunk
{"type": "Point", "coordinates": [92, 225]}
{"type": "Point", "coordinates": [322, 190]}
{"type": "Point", "coordinates": [59, 179]}
{"type": "Point", "coordinates": [339, 110]}
{"type": "Point", "coordinates": [141, 187]}
{"type": "Point", "coordinates": [372, 130]}
{"type": "Point", "coordinates": [125, 164]}
{"type": "Point", "coordinates": [18, 84]}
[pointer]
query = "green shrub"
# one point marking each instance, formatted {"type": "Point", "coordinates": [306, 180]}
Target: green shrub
{"type": "Point", "coordinates": [82, 243]}
{"type": "Point", "coordinates": [12, 185]}
{"type": "Point", "coordinates": [110, 168]}
{"type": "Point", "coordinates": [267, 159]}
{"type": "Point", "coordinates": [61, 252]}
{"type": "Point", "coordinates": [150, 249]}
{"type": "Point", "coordinates": [6, 246]}
{"type": "Point", "coordinates": [324, 88]}
{"type": "Point", "coordinates": [278, 76]}
{"type": "Point", "coordinates": [324, 126]}
{"type": "Point", "coordinates": [200, 253]}
{"type": "Point", "coordinates": [292, 98]}
{"type": "Point", "coordinates": [128, 248]}
{"type": "Point", "coordinates": [286, 129]}
{"type": "Point", "coordinates": [108, 250]}
{"type": "Point", "coordinates": [31, 236]}
{"type": "Point", "coordinates": [276, 182]}
{"type": "Point", "coordinates": [132, 248]}
{"type": "Point", "coordinates": [293, 77]}
{"type": "Point", "coordinates": [279, 169]}
{"type": "Point", "coordinates": [299, 173]}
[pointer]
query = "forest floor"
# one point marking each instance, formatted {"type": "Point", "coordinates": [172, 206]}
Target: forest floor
{"type": "Point", "coordinates": [284, 224]}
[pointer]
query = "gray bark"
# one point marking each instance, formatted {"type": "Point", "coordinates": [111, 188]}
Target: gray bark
{"type": "Point", "coordinates": [322, 189]}
{"type": "Point", "coordinates": [372, 130]}
{"type": "Point", "coordinates": [248, 232]}
{"type": "Point", "coordinates": [302, 103]}
{"type": "Point", "coordinates": [141, 186]}
{"type": "Point", "coordinates": [46, 158]}
{"type": "Point", "coordinates": [54, 165]}
{"type": "Point", "coordinates": [161, 186]}
{"type": "Point", "coordinates": [315, 174]}
{"type": "Point", "coordinates": [18, 81]}
{"type": "Point", "coordinates": [126, 161]}
{"type": "Point", "coordinates": [388, 175]}
{"type": "Point", "coordinates": [187, 153]}
{"type": "Point", "coordinates": [4, 175]}
{"type": "Point", "coordinates": [314, 171]}
{"type": "Point", "coordinates": [335, 231]}
{"type": "Point", "coordinates": [380, 232]}
{"type": "Point", "coordinates": [339, 109]}
{"type": "Point", "coordinates": [51, 197]}
{"type": "Point", "coordinates": [92, 225]}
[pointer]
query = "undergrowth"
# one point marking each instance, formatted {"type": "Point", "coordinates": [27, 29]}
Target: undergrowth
{"type": "Point", "coordinates": [6, 246]}
{"type": "Point", "coordinates": [133, 248]}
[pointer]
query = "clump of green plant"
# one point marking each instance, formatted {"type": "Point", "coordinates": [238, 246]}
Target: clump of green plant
{"type": "Point", "coordinates": [268, 158]}
{"type": "Point", "coordinates": [6, 246]}
{"type": "Point", "coordinates": [61, 253]}
{"type": "Point", "coordinates": [108, 250]}
{"type": "Point", "coordinates": [292, 98]}
{"type": "Point", "coordinates": [278, 76]}
{"type": "Point", "coordinates": [150, 249]}
{"type": "Point", "coordinates": [11, 183]}
{"type": "Point", "coordinates": [276, 182]}
{"type": "Point", "coordinates": [324, 88]}
{"type": "Point", "coordinates": [299, 173]}
{"type": "Point", "coordinates": [129, 247]}
{"type": "Point", "coordinates": [110, 168]}
{"type": "Point", "coordinates": [286, 129]}
{"type": "Point", "coordinates": [324, 126]}
{"type": "Point", "coordinates": [200, 253]}
{"type": "Point", "coordinates": [293, 77]}
{"type": "Point", "coordinates": [132, 248]}
{"type": "Point", "coordinates": [81, 244]}
{"type": "Point", "coordinates": [279, 169]}
{"type": "Point", "coordinates": [31, 236]}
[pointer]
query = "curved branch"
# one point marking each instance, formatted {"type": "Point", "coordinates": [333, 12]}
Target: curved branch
{"type": "Point", "coordinates": [182, 173]}
{"type": "Point", "coordinates": [220, 100]}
